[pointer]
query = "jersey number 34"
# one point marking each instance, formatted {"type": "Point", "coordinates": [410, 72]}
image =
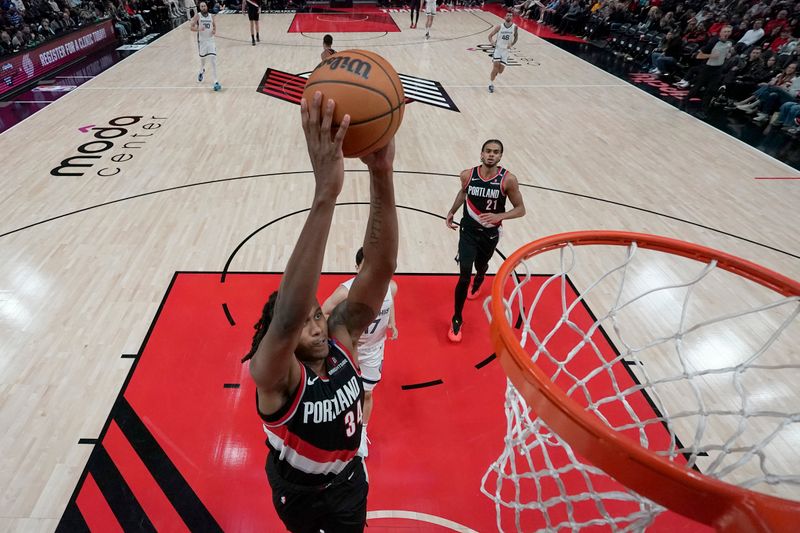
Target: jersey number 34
{"type": "Point", "coordinates": [351, 419]}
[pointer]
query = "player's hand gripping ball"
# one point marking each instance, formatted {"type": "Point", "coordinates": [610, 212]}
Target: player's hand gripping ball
{"type": "Point", "coordinates": [365, 86]}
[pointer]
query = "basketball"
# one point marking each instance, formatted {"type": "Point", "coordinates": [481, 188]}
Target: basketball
{"type": "Point", "coordinates": [365, 86]}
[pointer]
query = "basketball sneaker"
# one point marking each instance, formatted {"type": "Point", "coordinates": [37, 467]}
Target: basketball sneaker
{"type": "Point", "coordinates": [491, 87]}
{"type": "Point", "coordinates": [217, 86]}
{"type": "Point", "coordinates": [200, 75]}
{"type": "Point", "coordinates": [476, 288]}
{"type": "Point", "coordinates": [455, 330]}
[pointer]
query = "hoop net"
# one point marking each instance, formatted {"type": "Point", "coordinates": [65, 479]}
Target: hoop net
{"type": "Point", "coordinates": [645, 374]}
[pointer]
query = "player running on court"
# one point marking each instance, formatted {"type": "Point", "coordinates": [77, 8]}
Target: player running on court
{"type": "Point", "coordinates": [506, 38]}
{"type": "Point", "coordinates": [483, 194]}
{"type": "Point", "coordinates": [430, 12]}
{"type": "Point", "coordinates": [206, 27]}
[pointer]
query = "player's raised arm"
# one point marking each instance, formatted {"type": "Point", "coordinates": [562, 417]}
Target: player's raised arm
{"type": "Point", "coordinates": [274, 366]}
{"type": "Point", "coordinates": [380, 251]}
{"type": "Point", "coordinates": [195, 26]}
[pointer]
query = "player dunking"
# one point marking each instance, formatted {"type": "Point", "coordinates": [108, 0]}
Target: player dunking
{"type": "Point", "coordinates": [371, 343]}
{"type": "Point", "coordinates": [483, 193]}
{"type": "Point", "coordinates": [309, 390]}
{"type": "Point", "coordinates": [506, 38]}
{"type": "Point", "coordinates": [430, 12]}
{"type": "Point", "coordinates": [206, 27]}
{"type": "Point", "coordinates": [415, 10]}
{"type": "Point", "coordinates": [253, 11]}
{"type": "Point", "coordinates": [327, 50]}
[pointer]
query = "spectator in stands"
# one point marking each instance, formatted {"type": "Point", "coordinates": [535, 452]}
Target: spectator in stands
{"type": "Point", "coordinates": [784, 37]}
{"type": "Point", "coordinates": [5, 43]}
{"type": "Point", "coordinates": [751, 36]}
{"type": "Point", "coordinates": [694, 32]}
{"type": "Point", "coordinates": [67, 23]}
{"type": "Point", "coordinates": [652, 20]}
{"type": "Point", "coordinates": [788, 52]}
{"type": "Point", "coordinates": [669, 52]}
{"type": "Point", "coordinates": [573, 16]}
{"type": "Point", "coordinates": [720, 23]}
{"type": "Point", "coordinates": [781, 21]}
{"type": "Point", "coordinates": [788, 117]}
{"type": "Point", "coordinates": [525, 9]}
{"type": "Point", "coordinates": [769, 98]}
{"type": "Point", "coordinates": [137, 19]}
{"type": "Point", "coordinates": [759, 9]}
{"type": "Point", "coordinates": [667, 22]}
{"type": "Point", "coordinates": [715, 53]}
{"type": "Point", "coordinates": [13, 17]}
{"type": "Point", "coordinates": [18, 41]}
{"type": "Point", "coordinates": [123, 30]}
{"type": "Point", "coordinates": [550, 12]}
{"type": "Point", "coordinates": [741, 76]}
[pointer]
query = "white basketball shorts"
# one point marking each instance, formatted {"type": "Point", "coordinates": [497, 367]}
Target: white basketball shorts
{"type": "Point", "coordinates": [500, 55]}
{"type": "Point", "coordinates": [207, 48]}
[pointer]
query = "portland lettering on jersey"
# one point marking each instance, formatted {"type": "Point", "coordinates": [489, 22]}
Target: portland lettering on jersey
{"type": "Point", "coordinates": [483, 192]}
{"type": "Point", "coordinates": [484, 196]}
{"type": "Point", "coordinates": [322, 411]}
{"type": "Point", "coordinates": [317, 431]}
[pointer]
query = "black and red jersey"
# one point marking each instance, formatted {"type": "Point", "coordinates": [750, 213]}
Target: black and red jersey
{"type": "Point", "coordinates": [484, 195]}
{"type": "Point", "coordinates": [317, 432]}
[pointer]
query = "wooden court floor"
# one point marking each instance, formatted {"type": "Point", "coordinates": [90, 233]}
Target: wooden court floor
{"type": "Point", "coordinates": [183, 175]}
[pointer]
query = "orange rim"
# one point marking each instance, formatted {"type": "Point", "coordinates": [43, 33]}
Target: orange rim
{"type": "Point", "coordinates": [694, 495]}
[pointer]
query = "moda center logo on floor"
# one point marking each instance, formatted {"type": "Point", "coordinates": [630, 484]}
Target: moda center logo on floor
{"type": "Point", "coordinates": [111, 146]}
{"type": "Point", "coordinates": [514, 58]}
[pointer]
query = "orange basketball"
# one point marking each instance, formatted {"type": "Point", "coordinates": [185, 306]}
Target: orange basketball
{"type": "Point", "coordinates": [365, 86]}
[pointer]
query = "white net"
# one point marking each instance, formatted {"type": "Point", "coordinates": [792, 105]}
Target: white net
{"type": "Point", "coordinates": [692, 362]}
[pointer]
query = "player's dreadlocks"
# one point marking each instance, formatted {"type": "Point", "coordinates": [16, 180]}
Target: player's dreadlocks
{"type": "Point", "coordinates": [262, 325]}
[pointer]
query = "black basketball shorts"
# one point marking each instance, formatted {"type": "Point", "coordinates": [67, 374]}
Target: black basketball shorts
{"type": "Point", "coordinates": [340, 508]}
{"type": "Point", "coordinates": [476, 246]}
{"type": "Point", "coordinates": [253, 11]}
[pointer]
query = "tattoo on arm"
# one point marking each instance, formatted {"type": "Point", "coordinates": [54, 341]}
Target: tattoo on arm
{"type": "Point", "coordinates": [375, 221]}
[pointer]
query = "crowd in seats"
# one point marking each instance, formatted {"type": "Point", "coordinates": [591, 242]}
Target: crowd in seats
{"type": "Point", "coordinates": [25, 24]}
{"type": "Point", "coordinates": [735, 55]}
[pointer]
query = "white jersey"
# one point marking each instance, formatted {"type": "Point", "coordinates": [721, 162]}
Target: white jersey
{"type": "Point", "coordinates": [205, 26]}
{"type": "Point", "coordinates": [370, 345]}
{"type": "Point", "coordinates": [205, 36]}
{"type": "Point", "coordinates": [505, 36]}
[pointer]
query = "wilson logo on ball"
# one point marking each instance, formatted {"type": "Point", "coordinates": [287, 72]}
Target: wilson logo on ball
{"type": "Point", "coordinates": [359, 67]}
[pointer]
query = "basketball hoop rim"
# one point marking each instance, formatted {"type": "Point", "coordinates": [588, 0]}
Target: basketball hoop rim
{"type": "Point", "coordinates": [688, 492]}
